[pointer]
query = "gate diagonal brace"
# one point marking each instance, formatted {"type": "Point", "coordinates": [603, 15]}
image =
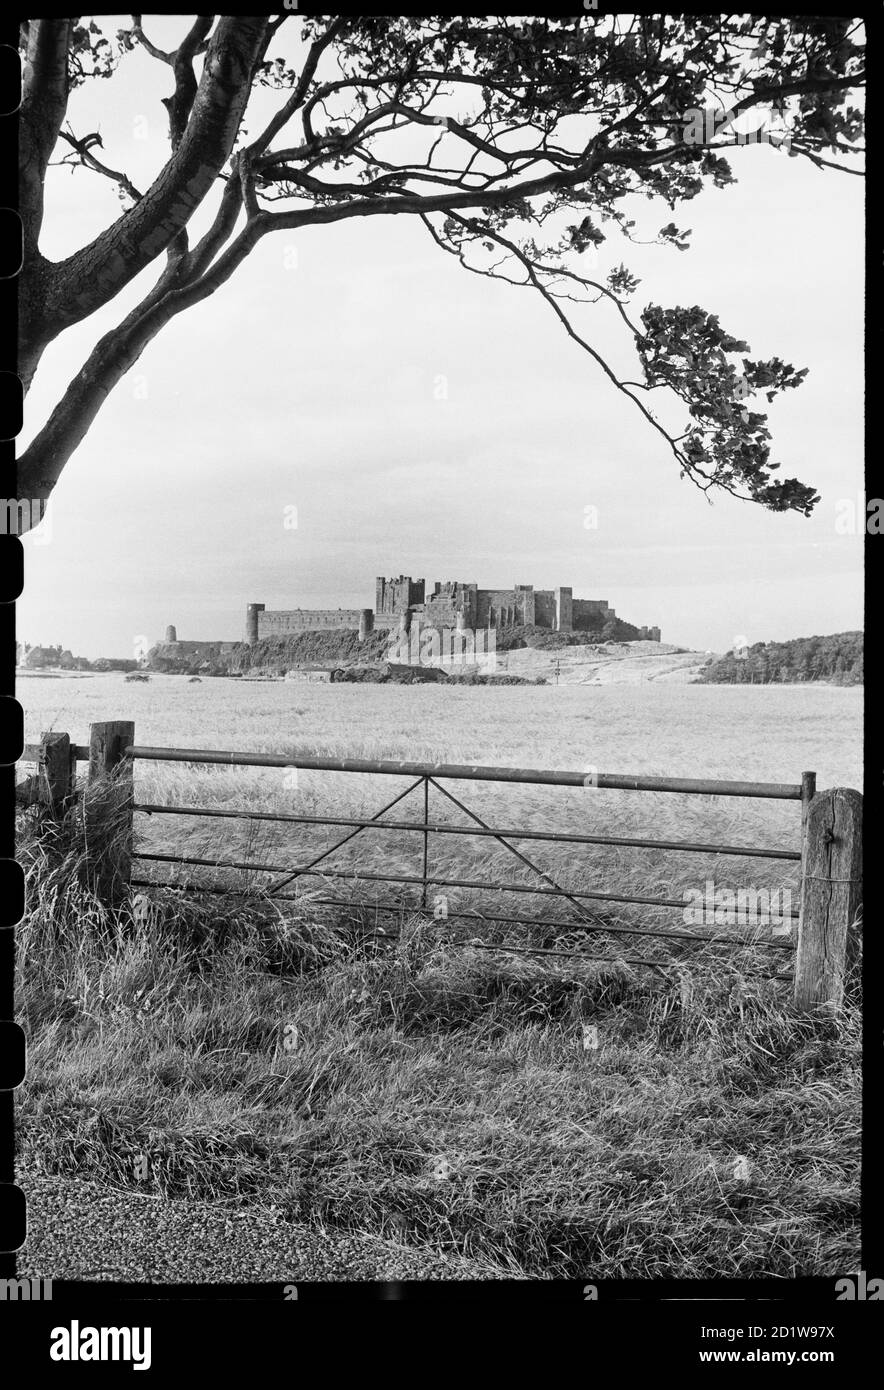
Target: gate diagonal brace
{"type": "Point", "coordinates": [585, 914]}
{"type": "Point", "coordinates": [283, 882]}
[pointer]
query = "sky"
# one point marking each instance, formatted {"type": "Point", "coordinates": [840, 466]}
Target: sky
{"type": "Point", "coordinates": [413, 418]}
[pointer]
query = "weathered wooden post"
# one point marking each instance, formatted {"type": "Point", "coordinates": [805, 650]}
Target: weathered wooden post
{"type": "Point", "coordinates": [108, 808]}
{"type": "Point", "coordinates": [54, 771]}
{"type": "Point", "coordinates": [831, 896]}
{"type": "Point", "coordinates": [808, 792]}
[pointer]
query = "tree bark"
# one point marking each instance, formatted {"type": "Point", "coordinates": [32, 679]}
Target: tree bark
{"type": "Point", "coordinates": [43, 107]}
{"type": "Point", "coordinates": [72, 289]}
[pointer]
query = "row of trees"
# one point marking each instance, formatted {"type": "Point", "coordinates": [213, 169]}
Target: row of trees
{"type": "Point", "coordinates": [837, 659]}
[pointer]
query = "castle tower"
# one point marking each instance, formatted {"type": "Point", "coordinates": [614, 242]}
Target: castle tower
{"type": "Point", "coordinates": [366, 623]}
{"type": "Point", "coordinates": [564, 609]}
{"type": "Point", "coordinates": [171, 634]}
{"type": "Point", "coordinates": [252, 612]}
{"type": "Point", "coordinates": [526, 609]}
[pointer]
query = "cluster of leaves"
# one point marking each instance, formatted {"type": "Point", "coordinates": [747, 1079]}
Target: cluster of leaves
{"type": "Point", "coordinates": [91, 54]}
{"type": "Point", "coordinates": [727, 444]}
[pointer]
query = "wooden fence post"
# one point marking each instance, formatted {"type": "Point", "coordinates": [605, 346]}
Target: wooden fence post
{"type": "Point", "coordinates": [831, 896]}
{"type": "Point", "coordinates": [54, 769]}
{"type": "Point", "coordinates": [108, 804]}
{"type": "Point", "coordinates": [808, 792]}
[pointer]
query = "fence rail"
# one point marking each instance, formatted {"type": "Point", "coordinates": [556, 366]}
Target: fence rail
{"type": "Point", "coordinates": [830, 853]}
{"type": "Point", "coordinates": [475, 772]}
{"type": "Point", "coordinates": [442, 828]}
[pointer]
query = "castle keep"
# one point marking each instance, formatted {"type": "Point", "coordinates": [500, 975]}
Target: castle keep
{"type": "Point", "coordinates": [402, 602]}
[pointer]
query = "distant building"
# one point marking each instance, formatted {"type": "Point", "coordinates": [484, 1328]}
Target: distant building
{"type": "Point", "coordinates": [401, 601]}
{"type": "Point", "coordinates": [36, 658]}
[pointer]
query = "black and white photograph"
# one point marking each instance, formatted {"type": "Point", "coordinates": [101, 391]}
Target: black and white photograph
{"type": "Point", "coordinates": [440, 489]}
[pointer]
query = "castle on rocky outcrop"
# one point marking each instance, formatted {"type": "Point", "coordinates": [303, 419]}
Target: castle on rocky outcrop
{"type": "Point", "coordinates": [404, 602]}
{"type": "Point", "coordinates": [404, 605]}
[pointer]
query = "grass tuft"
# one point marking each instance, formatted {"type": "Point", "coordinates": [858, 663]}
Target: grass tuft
{"type": "Point", "coordinates": [546, 1116]}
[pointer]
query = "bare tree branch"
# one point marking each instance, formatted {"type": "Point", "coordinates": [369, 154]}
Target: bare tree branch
{"type": "Point", "coordinates": [84, 147]}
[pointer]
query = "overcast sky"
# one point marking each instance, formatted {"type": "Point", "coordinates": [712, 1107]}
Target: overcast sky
{"type": "Point", "coordinates": [426, 421]}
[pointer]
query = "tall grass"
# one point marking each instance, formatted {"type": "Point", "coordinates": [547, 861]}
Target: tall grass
{"type": "Point", "coordinates": [547, 1116]}
{"type": "Point", "coordinates": [550, 1115]}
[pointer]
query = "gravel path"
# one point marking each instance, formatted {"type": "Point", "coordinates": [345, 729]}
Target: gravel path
{"type": "Point", "coordinates": [80, 1230]}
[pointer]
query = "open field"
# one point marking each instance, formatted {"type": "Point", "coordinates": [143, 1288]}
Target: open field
{"type": "Point", "coordinates": [745, 733]}
{"type": "Point", "coordinates": [737, 731]}
{"type": "Point", "coordinates": [439, 1097]}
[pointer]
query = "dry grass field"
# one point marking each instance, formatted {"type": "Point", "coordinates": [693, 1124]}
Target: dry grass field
{"type": "Point", "coordinates": [541, 1116]}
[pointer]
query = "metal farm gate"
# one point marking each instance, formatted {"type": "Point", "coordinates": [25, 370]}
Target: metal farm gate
{"type": "Point", "coordinates": [830, 853]}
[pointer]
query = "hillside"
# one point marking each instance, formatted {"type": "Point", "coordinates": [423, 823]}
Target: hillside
{"type": "Point", "coordinates": [272, 656]}
{"type": "Point", "coordinates": [837, 659]}
{"type": "Point", "coordinates": [524, 653]}
{"type": "Point", "coordinates": [615, 663]}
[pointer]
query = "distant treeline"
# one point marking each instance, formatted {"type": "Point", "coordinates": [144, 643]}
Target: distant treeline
{"type": "Point", "coordinates": [837, 659]}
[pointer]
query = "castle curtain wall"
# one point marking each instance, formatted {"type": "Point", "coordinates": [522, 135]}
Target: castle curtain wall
{"type": "Point", "coordinates": [285, 621]}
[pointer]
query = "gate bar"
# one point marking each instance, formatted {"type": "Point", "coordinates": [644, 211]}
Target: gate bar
{"type": "Point", "coordinates": [414, 909]}
{"type": "Point", "coordinates": [443, 828]}
{"type": "Point", "coordinates": [368, 876]}
{"type": "Point", "coordinates": [779, 791]}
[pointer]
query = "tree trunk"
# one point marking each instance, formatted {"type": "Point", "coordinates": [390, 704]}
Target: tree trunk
{"type": "Point", "coordinates": [55, 295]}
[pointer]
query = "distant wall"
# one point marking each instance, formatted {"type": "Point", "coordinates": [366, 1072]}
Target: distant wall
{"type": "Point", "coordinates": [387, 622]}
{"type": "Point", "coordinates": [589, 613]}
{"type": "Point", "coordinates": [544, 608]}
{"type": "Point", "coordinates": [195, 648]}
{"type": "Point", "coordinates": [504, 607]}
{"type": "Point", "coordinates": [451, 605]}
{"type": "Point", "coordinates": [282, 621]}
{"type": "Point", "coordinates": [186, 651]}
